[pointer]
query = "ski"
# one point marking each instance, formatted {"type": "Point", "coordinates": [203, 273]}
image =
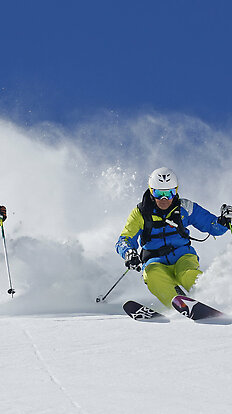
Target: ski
{"type": "Point", "coordinates": [143, 313]}
{"type": "Point", "coordinates": [198, 311]}
{"type": "Point", "coordinates": [191, 308]}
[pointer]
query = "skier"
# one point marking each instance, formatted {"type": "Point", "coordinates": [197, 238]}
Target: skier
{"type": "Point", "coordinates": [159, 222]}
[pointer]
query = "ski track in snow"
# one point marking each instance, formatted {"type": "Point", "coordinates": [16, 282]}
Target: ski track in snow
{"type": "Point", "coordinates": [100, 364]}
{"type": "Point", "coordinates": [46, 368]}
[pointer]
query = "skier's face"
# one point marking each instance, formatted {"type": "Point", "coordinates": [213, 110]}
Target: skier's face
{"type": "Point", "coordinates": [163, 203]}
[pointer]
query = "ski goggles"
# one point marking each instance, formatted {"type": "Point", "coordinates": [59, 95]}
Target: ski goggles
{"type": "Point", "coordinates": [169, 194]}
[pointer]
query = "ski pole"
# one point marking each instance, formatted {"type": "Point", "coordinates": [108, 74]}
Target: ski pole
{"type": "Point", "coordinates": [11, 291]}
{"type": "Point", "coordinates": [230, 227]}
{"type": "Point", "coordinates": [101, 298]}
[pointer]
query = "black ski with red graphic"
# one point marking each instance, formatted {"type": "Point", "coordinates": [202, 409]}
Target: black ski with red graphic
{"type": "Point", "coordinates": [198, 311]}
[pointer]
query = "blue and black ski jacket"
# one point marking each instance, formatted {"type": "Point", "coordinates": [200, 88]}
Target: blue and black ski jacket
{"type": "Point", "coordinates": [161, 242]}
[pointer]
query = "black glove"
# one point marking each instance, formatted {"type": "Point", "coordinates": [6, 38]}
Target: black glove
{"type": "Point", "coordinates": [3, 213]}
{"type": "Point", "coordinates": [132, 260]}
{"type": "Point", "coordinates": [226, 215]}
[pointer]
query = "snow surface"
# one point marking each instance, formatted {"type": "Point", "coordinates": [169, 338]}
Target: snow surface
{"type": "Point", "coordinates": [101, 364]}
{"type": "Point", "coordinates": [67, 199]}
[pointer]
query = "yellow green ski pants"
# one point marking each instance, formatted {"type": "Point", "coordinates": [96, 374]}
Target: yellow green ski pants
{"type": "Point", "coordinates": [161, 279]}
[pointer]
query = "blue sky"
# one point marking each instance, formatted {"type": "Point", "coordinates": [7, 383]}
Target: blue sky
{"type": "Point", "coordinates": [63, 59]}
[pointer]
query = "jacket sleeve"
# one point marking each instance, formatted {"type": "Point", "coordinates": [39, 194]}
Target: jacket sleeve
{"type": "Point", "coordinates": [206, 222]}
{"type": "Point", "coordinates": [132, 230]}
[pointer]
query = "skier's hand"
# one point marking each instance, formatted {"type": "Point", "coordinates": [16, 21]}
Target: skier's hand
{"type": "Point", "coordinates": [132, 260]}
{"type": "Point", "coordinates": [3, 213]}
{"type": "Point", "coordinates": [226, 215]}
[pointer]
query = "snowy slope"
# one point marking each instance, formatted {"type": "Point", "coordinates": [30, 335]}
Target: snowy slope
{"type": "Point", "coordinates": [112, 364]}
{"type": "Point", "coordinates": [67, 201]}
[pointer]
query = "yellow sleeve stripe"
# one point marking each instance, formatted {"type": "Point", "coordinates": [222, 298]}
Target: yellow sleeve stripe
{"type": "Point", "coordinates": [134, 223]}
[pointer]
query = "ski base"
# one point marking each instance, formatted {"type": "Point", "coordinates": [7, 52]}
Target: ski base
{"type": "Point", "coordinates": [143, 313]}
{"type": "Point", "coordinates": [198, 311]}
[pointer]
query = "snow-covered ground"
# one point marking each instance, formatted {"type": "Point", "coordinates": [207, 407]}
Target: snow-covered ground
{"type": "Point", "coordinates": [67, 200]}
{"type": "Point", "coordinates": [99, 364]}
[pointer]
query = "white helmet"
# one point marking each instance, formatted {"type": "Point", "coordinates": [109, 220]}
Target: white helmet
{"type": "Point", "coordinates": [163, 179]}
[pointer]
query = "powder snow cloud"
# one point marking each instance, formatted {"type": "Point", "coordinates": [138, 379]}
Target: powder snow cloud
{"type": "Point", "coordinates": [69, 192]}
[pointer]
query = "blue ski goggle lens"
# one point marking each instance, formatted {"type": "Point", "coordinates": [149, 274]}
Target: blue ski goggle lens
{"type": "Point", "coordinates": [169, 194]}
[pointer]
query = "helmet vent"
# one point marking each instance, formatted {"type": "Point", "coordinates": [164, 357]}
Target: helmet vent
{"type": "Point", "coordinates": [164, 178]}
